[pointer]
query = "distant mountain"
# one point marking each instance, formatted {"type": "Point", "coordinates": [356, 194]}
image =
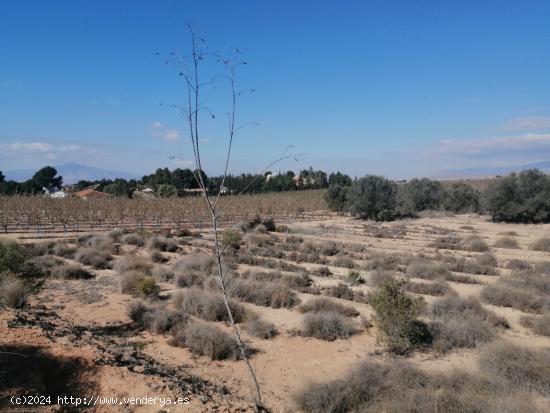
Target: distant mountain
{"type": "Point", "coordinates": [490, 172]}
{"type": "Point", "coordinates": [72, 173]}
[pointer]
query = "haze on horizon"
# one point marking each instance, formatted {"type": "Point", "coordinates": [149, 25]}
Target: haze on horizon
{"type": "Point", "coordinates": [363, 87]}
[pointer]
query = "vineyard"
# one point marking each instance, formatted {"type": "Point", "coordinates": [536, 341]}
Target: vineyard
{"type": "Point", "coordinates": [41, 214]}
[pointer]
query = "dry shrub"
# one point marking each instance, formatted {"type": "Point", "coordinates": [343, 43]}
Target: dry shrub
{"type": "Point", "coordinates": [518, 366]}
{"type": "Point", "coordinates": [467, 227]}
{"type": "Point", "coordinates": [71, 271]}
{"type": "Point", "coordinates": [538, 325]}
{"type": "Point", "coordinates": [475, 266]}
{"type": "Point", "coordinates": [543, 267]}
{"type": "Point", "coordinates": [160, 243]}
{"type": "Point", "coordinates": [428, 270]}
{"type": "Point", "coordinates": [132, 262]}
{"type": "Point", "coordinates": [133, 239]}
{"type": "Point", "coordinates": [463, 279]}
{"type": "Point", "coordinates": [207, 305]}
{"type": "Point", "coordinates": [96, 258]}
{"type": "Point", "coordinates": [102, 243]}
{"type": "Point", "coordinates": [138, 283]}
{"type": "Point", "coordinates": [36, 249]}
{"type": "Point", "coordinates": [322, 272]}
{"type": "Point", "coordinates": [46, 263]}
{"type": "Point", "coordinates": [462, 323]}
{"type": "Point", "coordinates": [327, 325]}
{"type": "Point", "coordinates": [355, 278]}
{"type": "Point", "coordinates": [526, 291]}
{"type": "Point", "coordinates": [156, 319]}
{"type": "Point", "coordinates": [162, 273]}
{"type": "Point", "coordinates": [374, 387]}
{"type": "Point", "coordinates": [232, 239]}
{"type": "Point", "coordinates": [378, 277]}
{"type": "Point", "coordinates": [63, 250]}
{"type": "Point", "coordinates": [509, 233]}
{"type": "Point", "coordinates": [436, 288]}
{"type": "Point", "coordinates": [317, 305]}
{"type": "Point", "coordinates": [261, 329]}
{"type": "Point", "coordinates": [330, 248]}
{"type": "Point", "coordinates": [507, 242]}
{"type": "Point", "coordinates": [206, 340]}
{"type": "Point", "coordinates": [193, 269]}
{"type": "Point", "coordinates": [158, 258]}
{"type": "Point", "coordinates": [117, 233]}
{"type": "Point", "coordinates": [520, 265]}
{"type": "Point", "coordinates": [267, 294]}
{"type": "Point", "coordinates": [486, 259]}
{"type": "Point", "coordinates": [380, 261]}
{"type": "Point", "coordinates": [13, 292]}
{"type": "Point", "coordinates": [258, 239]}
{"type": "Point", "coordinates": [542, 244]}
{"type": "Point", "coordinates": [475, 244]}
{"type": "Point", "coordinates": [340, 291]}
{"type": "Point", "coordinates": [449, 242]}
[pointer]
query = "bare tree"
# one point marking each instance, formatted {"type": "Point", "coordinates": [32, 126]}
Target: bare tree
{"type": "Point", "coordinates": [192, 110]}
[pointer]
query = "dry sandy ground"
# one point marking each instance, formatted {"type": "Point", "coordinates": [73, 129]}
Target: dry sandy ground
{"type": "Point", "coordinates": [284, 364]}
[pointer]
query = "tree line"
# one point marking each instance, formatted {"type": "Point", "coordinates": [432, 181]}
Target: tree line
{"type": "Point", "coordinates": [166, 183]}
{"type": "Point", "coordinates": [519, 197]}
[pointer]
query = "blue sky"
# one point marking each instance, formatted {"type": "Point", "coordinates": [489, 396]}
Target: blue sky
{"type": "Point", "coordinates": [399, 88]}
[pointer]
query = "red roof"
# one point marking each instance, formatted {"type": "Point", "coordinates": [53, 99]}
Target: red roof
{"type": "Point", "coordinates": [92, 193]}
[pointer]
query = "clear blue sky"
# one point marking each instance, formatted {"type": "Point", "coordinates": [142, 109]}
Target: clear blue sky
{"type": "Point", "coordinates": [402, 88]}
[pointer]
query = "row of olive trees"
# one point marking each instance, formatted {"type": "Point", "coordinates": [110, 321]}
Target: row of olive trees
{"type": "Point", "coordinates": [523, 197]}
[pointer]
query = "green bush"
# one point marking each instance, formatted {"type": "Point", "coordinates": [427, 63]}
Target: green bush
{"type": "Point", "coordinates": [396, 314]}
{"type": "Point", "coordinates": [373, 197]}
{"type": "Point", "coordinates": [460, 197]}
{"type": "Point", "coordinates": [420, 195]}
{"type": "Point", "coordinates": [523, 197]}
{"type": "Point", "coordinates": [337, 197]}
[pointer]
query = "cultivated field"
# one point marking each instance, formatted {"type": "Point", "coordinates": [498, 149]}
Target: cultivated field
{"type": "Point", "coordinates": [137, 313]}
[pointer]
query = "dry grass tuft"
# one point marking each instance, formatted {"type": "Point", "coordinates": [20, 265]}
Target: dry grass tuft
{"type": "Point", "coordinates": [317, 305]}
{"type": "Point", "coordinates": [475, 244]}
{"type": "Point", "coordinates": [71, 271]}
{"type": "Point", "coordinates": [538, 325]}
{"type": "Point", "coordinates": [13, 292]}
{"type": "Point", "coordinates": [132, 262]}
{"type": "Point", "coordinates": [428, 270]}
{"type": "Point", "coordinates": [261, 329]}
{"type": "Point", "coordinates": [138, 284]}
{"type": "Point", "coordinates": [519, 367]}
{"type": "Point", "coordinates": [133, 239]}
{"type": "Point", "coordinates": [507, 242]}
{"type": "Point", "coordinates": [207, 305]}
{"type": "Point", "coordinates": [327, 325]}
{"type": "Point", "coordinates": [96, 258]}
{"type": "Point", "coordinates": [206, 340]}
{"type": "Point", "coordinates": [160, 243]}
{"type": "Point", "coordinates": [542, 244]}
{"type": "Point", "coordinates": [436, 288]}
{"type": "Point", "coordinates": [267, 294]}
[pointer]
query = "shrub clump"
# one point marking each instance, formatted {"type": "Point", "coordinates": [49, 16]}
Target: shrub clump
{"type": "Point", "coordinates": [206, 340]}
{"type": "Point", "coordinates": [156, 319]}
{"type": "Point", "coordinates": [132, 262]}
{"type": "Point", "coordinates": [261, 329]}
{"type": "Point", "coordinates": [428, 270]}
{"type": "Point", "coordinates": [436, 288]}
{"type": "Point", "coordinates": [193, 269]}
{"type": "Point", "coordinates": [71, 272]}
{"type": "Point", "coordinates": [507, 242]}
{"type": "Point", "coordinates": [475, 244]}
{"type": "Point", "coordinates": [133, 239]}
{"type": "Point", "coordinates": [137, 283]}
{"type": "Point", "coordinates": [518, 366]}
{"type": "Point", "coordinates": [462, 323]}
{"type": "Point", "coordinates": [13, 292]}
{"type": "Point", "coordinates": [160, 243]}
{"type": "Point", "coordinates": [207, 305]}
{"type": "Point", "coordinates": [267, 294]}
{"type": "Point", "coordinates": [374, 387]}
{"type": "Point", "coordinates": [327, 325]}
{"type": "Point", "coordinates": [96, 258]}
{"type": "Point", "coordinates": [538, 325]}
{"type": "Point", "coordinates": [317, 305]}
{"type": "Point", "coordinates": [542, 244]}
{"type": "Point", "coordinates": [396, 314]}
